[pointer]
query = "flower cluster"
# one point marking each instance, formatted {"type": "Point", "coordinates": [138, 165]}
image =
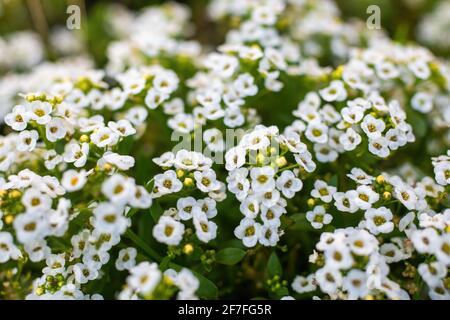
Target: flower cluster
{"type": "Point", "coordinates": [441, 166]}
{"type": "Point", "coordinates": [314, 160]}
{"type": "Point", "coordinates": [187, 172]}
{"type": "Point", "coordinates": [20, 50]}
{"type": "Point", "coordinates": [262, 177]}
{"type": "Point", "coordinates": [146, 281]}
{"type": "Point", "coordinates": [431, 28]}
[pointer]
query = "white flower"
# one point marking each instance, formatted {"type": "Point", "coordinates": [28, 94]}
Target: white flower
{"type": "Point", "coordinates": [122, 128]}
{"type": "Point", "coordinates": [338, 256]}
{"type": "Point", "coordinates": [18, 118]}
{"type": "Point", "coordinates": [304, 159]}
{"type": "Point", "coordinates": [186, 207]}
{"type": "Point", "coordinates": [121, 162]}
{"type": "Point", "coordinates": [187, 160]}
{"type": "Point", "coordinates": [355, 283]}
{"type": "Point", "coordinates": [187, 282]}
{"type": "Point", "coordinates": [391, 252]}
{"type": "Point", "coordinates": [144, 277]}
{"type": "Point", "coordinates": [118, 188]}
{"type": "Point", "coordinates": [214, 140]}
{"type": "Point", "coordinates": [165, 160]}
{"type": "Point", "coordinates": [166, 182]}
{"type": "Point", "coordinates": [289, 184]}
{"type": "Point", "coordinates": [439, 292]}
{"type": "Point", "coordinates": [372, 126]}
{"type": "Point", "coordinates": [292, 141]}
{"type": "Point", "coordinates": [361, 242]}
{"type": "Point", "coordinates": [352, 114]}
{"type": "Point", "coordinates": [379, 220]}
{"type": "Point", "coordinates": [208, 207]}
{"type": "Point", "coordinates": [304, 284]}
{"type": "Point", "coordinates": [271, 215]}
{"type": "Point", "coordinates": [140, 198]}
{"type": "Point", "coordinates": [360, 176]}
{"type": "Point", "coordinates": [76, 153]}
{"type": "Point", "coordinates": [84, 272]}
{"type": "Point", "coordinates": [425, 240]}
{"type": "Point", "coordinates": [406, 221]}
{"type": "Point", "coordinates": [344, 201]}
{"type": "Point", "coordinates": [432, 273]}
{"type": "Point", "coordinates": [80, 243]}
{"type": "Point", "coordinates": [325, 153]}
{"type": "Point", "coordinates": [7, 248]}
{"type": "Point", "coordinates": [318, 217]}
{"type": "Point", "coordinates": [350, 139]}
{"type": "Point", "coordinates": [73, 180]}
{"type": "Point", "coordinates": [268, 235]}
{"type": "Point", "coordinates": [323, 191]}
{"type": "Point", "coordinates": [35, 201]}
{"type": "Point", "coordinates": [386, 70]}
{"type": "Point", "coordinates": [443, 249]}
{"type": "Point", "coordinates": [27, 140]}
{"type": "Point", "coordinates": [77, 98]}
{"type": "Point", "coordinates": [244, 85]}
{"type": "Point", "coordinates": [365, 197]}
{"type": "Point", "coordinates": [233, 117]}
{"type": "Point", "coordinates": [328, 279]}
{"type": "Point", "coordinates": [37, 250]}
{"type": "Point", "coordinates": [206, 180]}
{"type": "Point", "coordinates": [442, 173]}
{"type": "Point", "coordinates": [154, 98]}
{"type": "Point", "coordinates": [422, 102]}
{"type": "Point", "coordinates": [255, 140]}
{"type": "Point", "coordinates": [174, 106]}
{"type": "Point", "coordinates": [95, 258]}
{"type": "Point", "coordinates": [168, 231]}
{"type": "Point", "coordinates": [104, 137]}
{"type": "Point", "coordinates": [235, 158]}
{"type": "Point", "coordinates": [269, 198]}
{"type": "Point", "coordinates": [334, 92]}
{"type": "Point", "coordinates": [109, 218]}
{"type": "Point", "coordinates": [250, 207]}
{"type": "Point", "coordinates": [264, 15]}
{"type": "Point", "coordinates": [205, 230]}
{"type": "Point", "coordinates": [248, 231]}
{"type": "Point", "coordinates": [136, 115]}
{"type": "Point", "coordinates": [126, 259]}
{"type": "Point", "coordinates": [420, 68]}
{"type": "Point", "coordinates": [30, 227]}
{"type": "Point", "coordinates": [91, 124]}
{"type": "Point", "coordinates": [262, 179]}
{"type": "Point", "coordinates": [55, 129]}
{"type": "Point", "coordinates": [406, 195]}
{"type": "Point", "coordinates": [165, 81]}
{"type": "Point", "coordinates": [39, 111]}
{"type": "Point", "coordinates": [116, 99]}
{"type": "Point", "coordinates": [395, 138]}
{"type": "Point", "coordinates": [317, 132]}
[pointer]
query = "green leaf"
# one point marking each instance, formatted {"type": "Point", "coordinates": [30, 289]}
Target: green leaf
{"type": "Point", "coordinates": [156, 211]}
{"type": "Point", "coordinates": [300, 222]}
{"type": "Point", "coordinates": [165, 263]}
{"type": "Point", "coordinates": [282, 292]}
{"type": "Point", "coordinates": [274, 266]}
{"type": "Point", "coordinates": [333, 181]}
{"type": "Point", "coordinates": [418, 123]}
{"type": "Point", "coordinates": [207, 289]}
{"type": "Point", "coordinates": [230, 256]}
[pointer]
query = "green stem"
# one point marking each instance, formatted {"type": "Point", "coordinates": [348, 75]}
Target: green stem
{"type": "Point", "coordinates": [293, 166]}
{"type": "Point", "coordinates": [143, 245]}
